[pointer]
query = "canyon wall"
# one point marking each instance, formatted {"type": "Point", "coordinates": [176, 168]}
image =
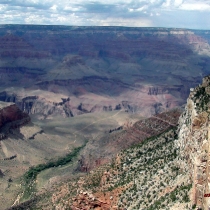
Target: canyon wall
{"type": "Point", "coordinates": [194, 143]}
{"type": "Point", "coordinates": [140, 70]}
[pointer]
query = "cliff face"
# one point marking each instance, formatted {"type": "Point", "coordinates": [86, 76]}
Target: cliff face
{"type": "Point", "coordinates": [47, 104]}
{"type": "Point", "coordinates": [10, 116]}
{"type": "Point", "coordinates": [194, 142]}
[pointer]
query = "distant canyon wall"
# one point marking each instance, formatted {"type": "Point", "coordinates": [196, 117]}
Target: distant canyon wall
{"type": "Point", "coordinates": [95, 69]}
{"type": "Point", "coordinates": [155, 100]}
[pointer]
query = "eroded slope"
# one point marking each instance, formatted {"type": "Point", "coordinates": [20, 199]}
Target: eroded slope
{"type": "Point", "coordinates": [105, 187]}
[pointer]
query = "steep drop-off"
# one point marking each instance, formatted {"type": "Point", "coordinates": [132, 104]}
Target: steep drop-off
{"type": "Point", "coordinates": [194, 141]}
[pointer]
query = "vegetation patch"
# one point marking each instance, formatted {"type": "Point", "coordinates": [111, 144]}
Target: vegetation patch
{"type": "Point", "coordinates": [201, 99]}
{"type": "Point", "coordinates": [29, 178]}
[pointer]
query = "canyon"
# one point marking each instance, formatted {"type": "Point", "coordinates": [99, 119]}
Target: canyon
{"type": "Point", "coordinates": [165, 171]}
{"type": "Point", "coordinates": [94, 69]}
{"type": "Point", "coordinates": [117, 97]}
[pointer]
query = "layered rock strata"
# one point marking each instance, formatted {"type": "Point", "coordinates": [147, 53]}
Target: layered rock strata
{"type": "Point", "coordinates": [101, 67]}
{"type": "Point", "coordinates": [41, 104]}
{"type": "Point", "coordinates": [194, 143]}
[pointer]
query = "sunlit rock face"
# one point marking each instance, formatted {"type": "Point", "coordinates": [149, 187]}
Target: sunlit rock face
{"type": "Point", "coordinates": [194, 143]}
{"type": "Point", "coordinates": [139, 70]}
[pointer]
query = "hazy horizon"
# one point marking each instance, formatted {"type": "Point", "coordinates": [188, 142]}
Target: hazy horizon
{"type": "Point", "coordinates": [78, 26]}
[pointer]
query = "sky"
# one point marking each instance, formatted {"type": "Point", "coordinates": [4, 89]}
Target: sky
{"type": "Point", "coordinates": [193, 14]}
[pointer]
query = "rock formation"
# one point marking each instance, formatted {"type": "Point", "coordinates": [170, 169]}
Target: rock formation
{"type": "Point", "coordinates": [11, 117]}
{"type": "Point", "coordinates": [194, 143]}
{"type": "Point", "coordinates": [156, 91]}
{"type": "Point", "coordinates": [36, 103]}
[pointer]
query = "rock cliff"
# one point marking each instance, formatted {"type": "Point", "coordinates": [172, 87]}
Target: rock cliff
{"type": "Point", "coordinates": [194, 143]}
{"type": "Point", "coordinates": [45, 103]}
{"type": "Point", "coordinates": [11, 116]}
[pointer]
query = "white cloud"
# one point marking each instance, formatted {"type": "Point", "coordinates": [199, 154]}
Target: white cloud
{"type": "Point", "coordinates": [145, 7]}
{"type": "Point", "coordinates": [30, 19]}
{"type": "Point", "coordinates": [140, 22]}
{"type": "Point", "coordinates": [177, 3]}
{"type": "Point", "coordinates": [54, 7]}
{"type": "Point", "coordinates": [109, 12]}
{"type": "Point", "coordinates": [166, 4]}
{"type": "Point", "coordinates": [195, 6]}
{"type": "Point", "coordinates": [172, 3]}
{"type": "Point", "coordinates": [71, 8]}
{"type": "Point", "coordinates": [2, 7]}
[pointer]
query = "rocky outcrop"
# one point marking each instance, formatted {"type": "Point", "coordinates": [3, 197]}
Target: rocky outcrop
{"type": "Point", "coordinates": [156, 91]}
{"type": "Point", "coordinates": [86, 200]}
{"type": "Point", "coordinates": [11, 117]}
{"type": "Point", "coordinates": [194, 143]}
{"type": "Point", "coordinates": [36, 104]}
{"type": "Point", "coordinates": [145, 176]}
